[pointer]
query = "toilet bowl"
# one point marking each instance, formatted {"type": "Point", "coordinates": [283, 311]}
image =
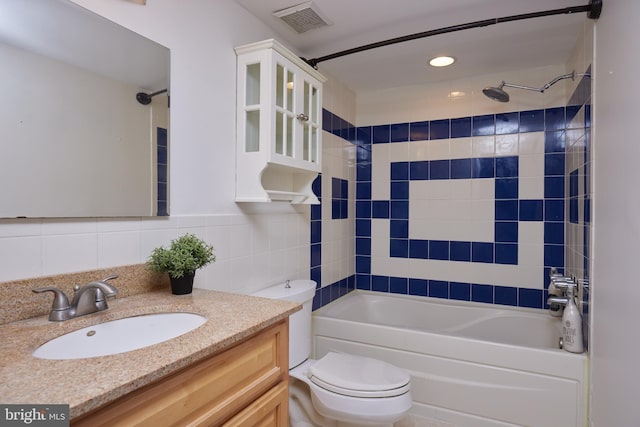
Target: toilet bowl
{"type": "Point", "coordinates": [342, 388]}
{"type": "Point", "coordinates": [348, 388]}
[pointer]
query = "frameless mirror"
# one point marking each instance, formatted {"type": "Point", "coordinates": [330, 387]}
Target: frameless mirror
{"type": "Point", "coordinates": [75, 139]}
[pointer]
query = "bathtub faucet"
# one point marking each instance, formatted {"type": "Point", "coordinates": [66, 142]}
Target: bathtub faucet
{"type": "Point", "coordinates": [556, 300]}
{"type": "Point", "coordinates": [558, 285]}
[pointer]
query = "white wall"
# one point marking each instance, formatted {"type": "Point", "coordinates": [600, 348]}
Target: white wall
{"type": "Point", "coordinates": [615, 347]}
{"type": "Point", "coordinates": [253, 250]}
{"type": "Point", "coordinates": [459, 98]}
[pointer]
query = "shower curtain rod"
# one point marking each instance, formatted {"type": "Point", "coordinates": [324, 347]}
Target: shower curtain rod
{"type": "Point", "coordinates": [594, 8]}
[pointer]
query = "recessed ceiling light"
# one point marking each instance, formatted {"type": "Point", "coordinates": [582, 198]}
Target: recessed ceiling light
{"type": "Point", "coordinates": [441, 61]}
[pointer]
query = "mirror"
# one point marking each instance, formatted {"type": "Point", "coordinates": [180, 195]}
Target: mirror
{"type": "Point", "coordinates": [75, 141]}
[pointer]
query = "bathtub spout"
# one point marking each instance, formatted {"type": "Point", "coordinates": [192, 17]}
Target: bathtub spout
{"type": "Point", "coordinates": [557, 300]}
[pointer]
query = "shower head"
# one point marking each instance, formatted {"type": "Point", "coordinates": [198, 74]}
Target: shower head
{"type": "Point", "coordinates": [496, 93]}
{"type": "Point", "coordinates": [145, 98]}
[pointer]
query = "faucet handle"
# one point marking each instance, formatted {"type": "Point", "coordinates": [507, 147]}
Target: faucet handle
{"type": "Point", "coordinates": [60, 300]}
{"type": "Point", "coordinates": [563, 282]}
{"type": "Point", "coordinates": [113, 276]}
{"type": "Point", "coordinates": [60, 308]}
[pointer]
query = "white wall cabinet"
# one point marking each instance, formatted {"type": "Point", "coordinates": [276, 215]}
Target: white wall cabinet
{"type": "Point", "coordinates": [279, 125]}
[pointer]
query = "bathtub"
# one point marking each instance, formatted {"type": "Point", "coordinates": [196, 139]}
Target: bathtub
{"type": "Point", "coordinates": [471, 364]}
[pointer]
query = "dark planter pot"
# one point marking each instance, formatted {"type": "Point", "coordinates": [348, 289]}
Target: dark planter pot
{"type": "Point", "coordinates": [182, 285]}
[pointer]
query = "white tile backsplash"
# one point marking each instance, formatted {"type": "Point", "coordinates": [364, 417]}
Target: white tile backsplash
{"type": "Point", "coordinates": [70, 253]}
{"type": "Point", "coordinates": [21, 257]}
{"type": "Point", "coordinates": [253, 251]}
{"type": "Point", "coordinates": [117, 248]}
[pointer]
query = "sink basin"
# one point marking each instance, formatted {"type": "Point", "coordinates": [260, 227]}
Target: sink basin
{"type": "Point", "coordinates": [119, 336]}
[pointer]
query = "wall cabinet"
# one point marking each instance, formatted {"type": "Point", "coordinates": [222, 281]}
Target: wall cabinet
{"type": "Point", "coordinates": [279, 125]}
{"type": "Point", "coordinates": [244, 386]}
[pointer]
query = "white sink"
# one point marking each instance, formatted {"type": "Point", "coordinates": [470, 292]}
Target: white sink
{"type": "Point", "coordinates": [119, 336]}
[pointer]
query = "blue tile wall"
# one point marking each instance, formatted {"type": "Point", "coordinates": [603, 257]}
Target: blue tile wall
{"type": "Point", "coordinates": [316, 235]}
{"type": "Point", "coordinates": [339, 194]}
{"type": "Point", "coordinates": [339, 198]}
{"type": "Point", "coordinates": [510, 209]}
{"type": "Point", "coordinates": [162, 171]}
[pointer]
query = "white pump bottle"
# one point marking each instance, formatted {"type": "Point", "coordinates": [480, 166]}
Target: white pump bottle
{"type": "Point", "coordinates": [572, 324]}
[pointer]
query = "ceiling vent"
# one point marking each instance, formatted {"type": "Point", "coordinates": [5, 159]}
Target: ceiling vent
{"type": "Point", "coordinates": [302, 17]}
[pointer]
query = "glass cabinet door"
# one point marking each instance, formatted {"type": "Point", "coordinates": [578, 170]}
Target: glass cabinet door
{"type": "Point", "coordinates": [310, 123]}
{"type": "Point", "coordinates": [285, 111]}
{"type": "Point", "coordinates": [252, 108]}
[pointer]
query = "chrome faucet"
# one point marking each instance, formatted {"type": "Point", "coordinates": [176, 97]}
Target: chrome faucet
{"type": "Point", "coordinates": [87, 299]}
{"type": "Point", "coordinates": [557, 300]}
{"type": "Point", "coordinates": [558, 285]}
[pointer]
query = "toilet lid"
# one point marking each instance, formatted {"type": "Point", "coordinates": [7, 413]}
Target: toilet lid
{"type": "Point", "coordinates": [358, 376]}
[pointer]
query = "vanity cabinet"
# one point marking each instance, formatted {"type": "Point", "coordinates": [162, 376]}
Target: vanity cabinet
{"type": "Point", "coordinates": [244, 386]}
{"type": "Point", "coordinates": [279, 124]}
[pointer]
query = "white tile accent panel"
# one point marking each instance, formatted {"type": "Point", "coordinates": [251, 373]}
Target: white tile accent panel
{"type": "Point", "coordinates": [483, 189]}
{"type": "Point", "coordinates": [507, 145]}
{"type": "Point", "coordinates": [418, 150]}
{"type": "Point", "coordinates": [398, 152]}
{"type": "Point", "coordinates": [531, 165]}
{"type": "Point", "coordinates": [461, 148]}
{"type": "Point", "coordinates": [526, 274]}
{"type": "Point", "coordinates": [483, 146]}
{"type": "Point", "coordinates": [531, 188]}
{"type": "Point", "coordinates": [380, 172]}
{"type": "Point", "coordinates": [439, 149]}
{"type": "Point", "coordinates": [531, 143]}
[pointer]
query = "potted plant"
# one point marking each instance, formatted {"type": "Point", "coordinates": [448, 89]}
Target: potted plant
{"type": "Point", "coordinates": [185, 255]}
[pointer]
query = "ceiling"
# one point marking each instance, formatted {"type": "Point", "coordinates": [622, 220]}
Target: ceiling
{"type": "Point", "coordinates": [74, 35]}
{"type": "Point", "coordinates": [503, 47]}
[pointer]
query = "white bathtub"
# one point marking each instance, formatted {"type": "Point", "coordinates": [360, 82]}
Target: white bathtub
{"type": "Point", "coordinates": [471, 364]}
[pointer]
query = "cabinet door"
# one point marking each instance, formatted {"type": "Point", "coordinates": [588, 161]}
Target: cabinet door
{"type": "Point", "coordinates": [270, 410]}
{"type": "Point", "coordinates": [206, 393]}
{"type": "Point", "coordinates": [310, 121]}
{"type": "Point", "coordinates": [286, 96]}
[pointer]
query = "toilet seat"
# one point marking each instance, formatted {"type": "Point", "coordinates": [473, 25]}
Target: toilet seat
{"type": "Point", "coordinates": [358, 376]}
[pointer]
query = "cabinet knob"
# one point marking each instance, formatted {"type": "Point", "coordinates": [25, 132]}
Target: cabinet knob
{"type": "Point", "coordinates": [302, 117]}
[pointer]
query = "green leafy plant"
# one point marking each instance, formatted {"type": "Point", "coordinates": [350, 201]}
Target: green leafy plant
{"type": "Point", "coordinates": [186, 254]}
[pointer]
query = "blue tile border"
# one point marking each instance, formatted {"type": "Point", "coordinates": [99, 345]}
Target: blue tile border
{"type": "Point", "coordinates": [162, 166]}
{"type": "Point", "coordinates": [509, 208]}
{"type": "Point", "coordinates": [339, 198]}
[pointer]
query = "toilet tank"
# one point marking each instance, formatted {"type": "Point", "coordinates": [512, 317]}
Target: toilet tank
{"type": "Point", "coordinates": [300, 291]}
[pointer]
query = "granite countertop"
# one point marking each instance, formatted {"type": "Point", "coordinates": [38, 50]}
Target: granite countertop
{"type": "Point", "coordinates": [86, 384]}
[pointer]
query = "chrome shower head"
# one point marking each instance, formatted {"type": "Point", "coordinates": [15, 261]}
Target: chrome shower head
{"type": "Point", "coordinates": [496, 93]}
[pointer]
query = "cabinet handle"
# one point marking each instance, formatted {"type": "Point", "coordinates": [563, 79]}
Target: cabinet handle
{"type": "Point", "coordinates": [302, 117]}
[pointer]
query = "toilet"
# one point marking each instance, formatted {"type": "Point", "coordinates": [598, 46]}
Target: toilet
{"type": "Point", "coordinates": [338, 389]}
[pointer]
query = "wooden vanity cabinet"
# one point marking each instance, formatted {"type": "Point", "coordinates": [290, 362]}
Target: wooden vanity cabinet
{"type": "Point", "coordinates": [246, 385]}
